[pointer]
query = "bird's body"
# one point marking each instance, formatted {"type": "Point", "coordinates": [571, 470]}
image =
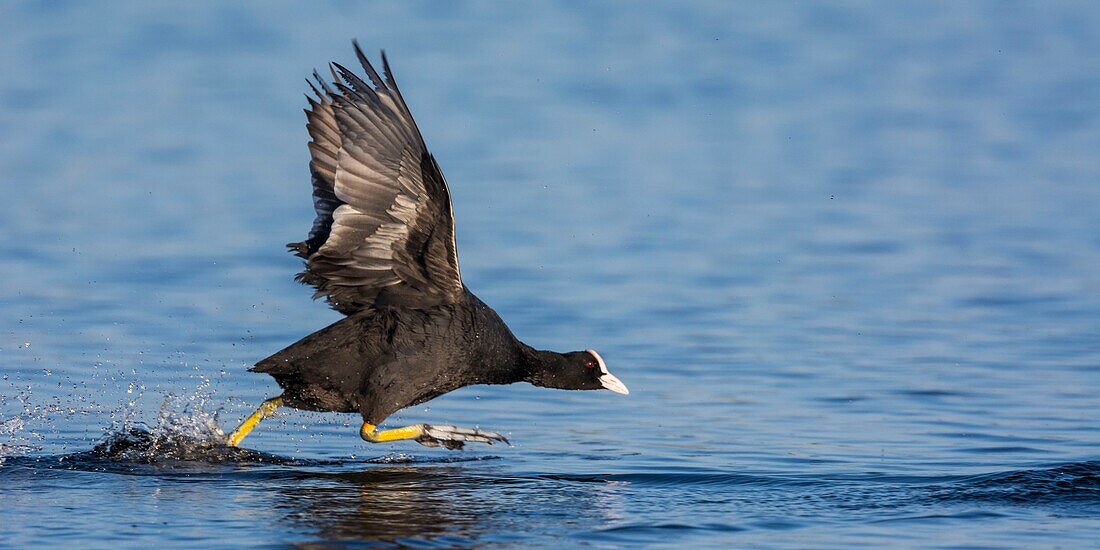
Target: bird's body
{"type": "Point", "coordinates": [380, 360]}
{"type": "Point", "coordinates": [382, 252]}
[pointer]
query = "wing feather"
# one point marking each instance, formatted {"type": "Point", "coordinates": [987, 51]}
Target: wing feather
{"type": "Point", "coordinates": [384, 231]}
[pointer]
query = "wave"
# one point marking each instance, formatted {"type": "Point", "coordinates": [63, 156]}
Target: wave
{"type": "Point", "coordinates": [1072, 482]}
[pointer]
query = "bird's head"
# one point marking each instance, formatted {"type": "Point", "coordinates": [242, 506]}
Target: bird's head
{"type": "Point", "coordinates": [578, 370]}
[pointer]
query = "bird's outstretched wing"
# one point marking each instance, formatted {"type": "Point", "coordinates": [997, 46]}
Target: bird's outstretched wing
{"type": "Point", "coordinates": [384, 232]}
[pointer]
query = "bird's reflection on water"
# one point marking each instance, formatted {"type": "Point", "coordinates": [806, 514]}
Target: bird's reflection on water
{"type": "Point", "coordinates": [447, 504]}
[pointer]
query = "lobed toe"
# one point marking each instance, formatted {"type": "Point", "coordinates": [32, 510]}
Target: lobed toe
{"type": "Point", "coordinates": [454, 437]}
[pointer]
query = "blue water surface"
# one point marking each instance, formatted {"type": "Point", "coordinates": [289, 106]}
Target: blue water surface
{"type": "Point", "coordinates": [846, 256]}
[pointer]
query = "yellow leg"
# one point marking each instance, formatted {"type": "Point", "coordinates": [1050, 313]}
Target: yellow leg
{"type": "Point", "coordinates": [266, 409]}
{"type": "Point", "coordinates": [369, 432]}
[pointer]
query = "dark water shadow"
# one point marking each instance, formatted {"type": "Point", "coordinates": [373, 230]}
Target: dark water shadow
{"type": "Point", "coordinates": [401, 504]}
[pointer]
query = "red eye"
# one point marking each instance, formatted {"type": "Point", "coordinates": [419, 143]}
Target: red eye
{"type": "Point", "coordinates": [590, 364]}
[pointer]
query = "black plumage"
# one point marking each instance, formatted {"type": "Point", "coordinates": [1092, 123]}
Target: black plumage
{"type": "Point", "coordinates": [382, 252]}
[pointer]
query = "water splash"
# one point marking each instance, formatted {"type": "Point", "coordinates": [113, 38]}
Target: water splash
{"type": "Point", "coordinates": [183, 430]}
{"type": "Point", "coordinates": [16, 435]}
{"type": "Point", "coordinates": [172, 443]}
{"type": "Point", "coordinates": [11, 430]}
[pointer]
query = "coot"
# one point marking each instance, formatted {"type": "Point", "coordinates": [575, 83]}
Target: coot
{"type": "Point", "coordinates": [382, 252]}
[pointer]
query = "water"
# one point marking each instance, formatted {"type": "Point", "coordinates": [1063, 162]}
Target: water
{"type": "Point", "coordinates": [846, 258]}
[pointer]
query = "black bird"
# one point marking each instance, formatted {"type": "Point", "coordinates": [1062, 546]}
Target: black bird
{"type": "Point", "coordinates": [382, 252]}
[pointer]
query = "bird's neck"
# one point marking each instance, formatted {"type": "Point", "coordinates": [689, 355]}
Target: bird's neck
{"type": "Point", "coordinates": [539, 365]}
